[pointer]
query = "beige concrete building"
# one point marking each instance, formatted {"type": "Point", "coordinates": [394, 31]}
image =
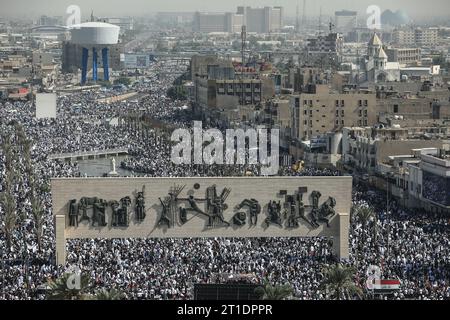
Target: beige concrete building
{"type": "Point", "coordinates": [420, 37]}
{"type": "Point", "coordinates": [282, 189]}
{"type": "Point", "coordinates": [368, 148]}
{"type": "Point", "coordinates": [404, 56]}
{"type": "Point", "coordinates": [324, 111]}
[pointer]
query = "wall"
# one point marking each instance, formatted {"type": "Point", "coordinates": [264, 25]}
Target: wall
{"type": "Point", "coordinates": [259, 188]}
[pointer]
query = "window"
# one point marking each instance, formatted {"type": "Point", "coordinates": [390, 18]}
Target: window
{"type": "Point", "coordinates": [310, 112]}
{"type": "Point", "coordinates": [342, 122]}
{"type": "Point", "coordinates": [342, 103]}
{"type": "Point", "coordinates": [366, 103]}
{"type": "Point", "coordinates": [305, 122]}
{"type": "Point", "coordinates": [365, 122]}
{"type": "Point", "coordinates": [360, 113]}
{"type": "Point", "coordinates": [359, 123]}
{"type": "Point", "coordinates": [310, 122]}
{"type": "Point", "coordinates": [395, 108]}
{"type": "Point", "coordinates": [337, 122]}
{"type": "Point", "coordinates": [337, 113]}
{"type": "Point", "coordinates": [365, 113]}
{"type": "Point", "coordinates": [305, 112]}
{"type": "Point", "coordinates": [359, 103]}
{"type": "Point", "coordinates": [342, 112]}
{"type": "Point", "coordinates": [305, 102]}
{"type": "Point", "coordinates": [337, 103]}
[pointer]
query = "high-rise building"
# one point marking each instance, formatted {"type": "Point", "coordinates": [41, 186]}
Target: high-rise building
{"type": "Point", "coordinates": [345, 21]}
{"type": "Point", "coordinates": [262, 20]}
{"type": "Point", "coordinates": [50, 21]}
{"type": "Point", "coordinates": [217, 22]}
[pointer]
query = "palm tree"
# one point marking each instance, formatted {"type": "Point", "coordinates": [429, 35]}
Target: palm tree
{"type": "Point", "coordinates": [8, 202]}
{"type": "Point", "coordinates": [112, 294]}
{"type": "Point", "coordinates": [277, 292]}
{"type": "Point", "coordinates": [365, 214]}
{"type": "Point", "coordinates": [38, 216]}
{"type": "Point", "coordinates": [338, 281]}
{"type": "Point", "coordinates": [63, 288]}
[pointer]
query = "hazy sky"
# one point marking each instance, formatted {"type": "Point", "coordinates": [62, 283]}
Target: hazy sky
{"type": "Point", "coordinates": [33, 8]}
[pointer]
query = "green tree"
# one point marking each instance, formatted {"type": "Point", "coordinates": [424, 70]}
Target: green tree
{"type": "Point", "coordinates": [123, 80]}
{"type": "Point", "coordinates": [338, 282]}
{"type": "Point", "coordinates": [364, 214]}
{"type": "Point", "coordinates": [60, 289]}
{"type": "Point", "coordinates": [8, 203]}
{"type": "Point", "coordinates": [277, 292]}
{"type": "Point", "coordinates": [112, 294]}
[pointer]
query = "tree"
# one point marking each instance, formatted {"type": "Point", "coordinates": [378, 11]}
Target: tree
{"type": "Point", "coordinates": [38, 216]}
{"type": "Point", "coordinates": [7, 200]}
{"type": "Point", "coordinates": [338, 282]}
{"type": "Point", "coordinates": [112, 294]}
{"type": "Point", "coordinates": [123, 80]}
{"type": "Point", "coordinates": [8, 203]}
{"type": "Point", "coordinates": [277, 292]}
{"type": "Point", "coordinates": [364, 215]}
{"type": "Point", "coordinates": [59, 289]}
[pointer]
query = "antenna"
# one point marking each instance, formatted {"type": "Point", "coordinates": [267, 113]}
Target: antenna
{"type": "Point", "coordinates": [297, 21]}
{"type": "Point", "coordinates": [92, 15]}
{"type": "Point", "coordinates": [331, 26]}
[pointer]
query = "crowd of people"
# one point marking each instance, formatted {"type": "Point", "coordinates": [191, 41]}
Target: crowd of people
{"type": "Point", "coordinates": [409, 245]}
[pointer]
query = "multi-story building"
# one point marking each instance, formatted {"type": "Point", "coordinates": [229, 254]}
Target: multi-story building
{"type": "Point", "coordinates": [323, 111]}
{"type": "Point", "coordinates": [214, 22]}
{"type": "Point", "coordinates": [125, 23]}
{"type": "Point", "coordinates": [50, 21]}
{"type": "Point", "coordinates": [262, 20]}
{"type": "Point", "coordinates": [433, 180]}
{"type": "Point", "coordinates": [404, 56]}
{"type": "Point", "coordinates": [420, 37]}
{"type": "Point", "coordinates": [369, 148]}
{"type": "Point", "coordinates": [345, 21]}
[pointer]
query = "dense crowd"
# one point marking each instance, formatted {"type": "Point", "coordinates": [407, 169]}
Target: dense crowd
{"type": "Point", "coordinates": [409, 245]}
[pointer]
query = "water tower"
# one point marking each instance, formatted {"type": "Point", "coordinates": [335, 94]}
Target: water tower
{"type": "Point", "coordinates": [94, 37]}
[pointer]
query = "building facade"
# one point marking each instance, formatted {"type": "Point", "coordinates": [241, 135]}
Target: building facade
{"type": "Point", "coordinates": [315, 114]}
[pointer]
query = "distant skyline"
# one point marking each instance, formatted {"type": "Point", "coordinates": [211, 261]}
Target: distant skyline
{"type": "Point", "coordinates": [32, 9]}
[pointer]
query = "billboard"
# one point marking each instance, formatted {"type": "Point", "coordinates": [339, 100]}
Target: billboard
{"type": "Point", "coordinates": [45, 105]}
{"type": "Point", "coordinates": [136, 61]}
